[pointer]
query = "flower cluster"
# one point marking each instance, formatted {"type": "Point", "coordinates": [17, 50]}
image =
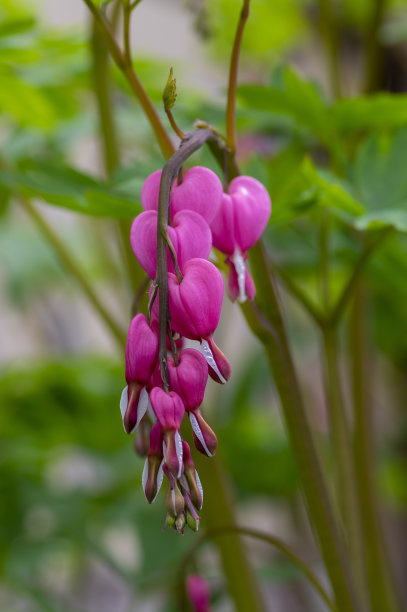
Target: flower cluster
{"type": "Point", "coordinates": [200, 216]}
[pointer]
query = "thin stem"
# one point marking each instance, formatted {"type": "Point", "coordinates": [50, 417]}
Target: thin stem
{"type": "Point", "coordinates": [126, 31]}
{"type": "Point", "coordinates": [163, 139]}
{"type": "Point", "coordinates": [364, 257]}
{"type": "Point", "coordinates": [265, 319]}
{"type": "Point", "coordinates": [110, 145]}
{"type": "Point", "coordinates": [174, 125]}
{"type": "Point", "coordinates": [373, 47]}
{"type": "Point", "coordinates": [292, 287]}
{"type": "Point", "coordinates": [212, 534]}
{"type": "Point", "coordinates": [342, 456]}
{"type": "Point", "coordinates": [234, 64]}
{"type": "Point", "coordinates": [330, 36]}
{"type": "Point", "coordinates": [381, 595]}
{"type": "Point", "coordinates": [66, 259]}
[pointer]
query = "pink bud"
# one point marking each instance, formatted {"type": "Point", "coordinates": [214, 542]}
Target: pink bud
{"type": "Point", "coordinates": [169, 410]}
{"type": "Point", "coordinates": [200, 191]}
{"type": "Point", "coordinates": [218, 364]}
{"type": "Point", "coordinates": [198, 593]}
{"type": "Point", "coordinates": [190, 236]}
{"type": "Point", "coordinates": [191, 479]}
{"type": "Point", "coordinates": [195, 303]}
{"type": "Point", "coordinates": [153, 467]}
{"type": "Point", "coordinates": [204, 437]}
{"type": "Point", "coordinates": [242, 216]}
{"type": "Point", "coordinates": [189, 377]}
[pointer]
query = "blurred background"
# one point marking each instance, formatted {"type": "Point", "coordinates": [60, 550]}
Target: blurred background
{"type": "Point", "coordinates": [76, 533]}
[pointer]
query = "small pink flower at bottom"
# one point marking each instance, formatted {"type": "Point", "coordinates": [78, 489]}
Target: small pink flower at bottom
{"type": "Point", "coordinates": [198, 593]}
{"type": "Point", "coordinates": [153, 468]}
{"type": "Point", "coordinates": [169, 410]}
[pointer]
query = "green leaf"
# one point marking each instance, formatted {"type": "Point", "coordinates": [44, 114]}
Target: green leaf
{"type": "Point", "coordinates": [331, 191]}
{"type": "Point", "coordinates": [63, 186]}
{"type": "Point", "coordinates": [367, 113]}
{"type": "Point", "coordinates": [381, 180]}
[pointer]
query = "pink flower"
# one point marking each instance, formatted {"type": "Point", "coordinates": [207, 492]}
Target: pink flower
{"type": "Point", "coordinates": [169, 410]}
{"type": "Point", "coordinates": [240, 222]}
{"type": "Point", "coordinates": [205, 439]}
{"type": "Point", "coordinates": [195, 306]}
{"type": "Point", "coordinates": [190, 236]}
{"type": "Point", "coordinates": [141, 356]}
{"type": "Point", "coordinates": [189, 377]}
{"type": "Point", "coordinates": [200, 191]}
{"type": "Point", "coordinates": [198, 593]}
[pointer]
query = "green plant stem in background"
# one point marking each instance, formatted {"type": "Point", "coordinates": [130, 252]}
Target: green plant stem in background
{"type": "Point", "coordinates": [341, 438]}
{"type": "Point", "coordinates": [330, 37]}
{"type": "Point", "coordinates": [373, 49]}
{"type": "Point", "coordinates": [234, 64]}
{"type": "Point", "coordinates": [258, 535]}
{"type": "Point", "coordinates": [266, 321]}
{"type": "Point", "coordinates": [110, 147]}
{"type": "Point", "coordinates": [342, 451]}
{"type": "Point", "coordinates": [218, 511]}
{"type": "Point", "coordinates": [162, 136]}
{"type": "Point", "coordinates": [68, 262]}
{"type": "Point", "coordinates": [378, 574]}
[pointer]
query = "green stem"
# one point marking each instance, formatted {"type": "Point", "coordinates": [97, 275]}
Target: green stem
{"type": "Point", "coordinates": [241, 582]}
{"type": "Point", "coordinates": [162, 136]}
{"type": "Point", "coordinates": [66, 259]}
{"type": "Point", "coordinates": [381, 593]}
{"type": "Point", "coordinates": [234, 64]}
{"type": "Point", "coordinates": [110, 146]}
{"type": "Point", "coordinates": [330, 36]}
{"type": "Point", "coordinates": [373, 47]}
{"type": "Point", "coordinates": [301, 297]}
{"type": "Point", "coordinates": [342, 457]}
{"type": "Point", "coordinates": [265, 319]}
{"type": "Point", "coordinates": [258, 535]}
{"type": "Point", "coordinates": [359, 266]}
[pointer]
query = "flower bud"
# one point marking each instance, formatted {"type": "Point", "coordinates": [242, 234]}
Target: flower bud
{"type": "Point", "coordinates": [153, 467]}
{"type": "Point", "coordinates": [198, 593]}
{"type": "Point", "coordinates": [142, 437]}
{"type": "Point", "coordinates": [190, 478]}
{"type": "Point", "coordinates": [205, 439]}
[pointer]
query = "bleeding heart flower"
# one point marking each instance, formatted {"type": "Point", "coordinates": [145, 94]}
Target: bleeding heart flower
{"type": "Point", "coordinates": [169, 410]}
{"type": "Point", "coordinates": [141, 356]}
{"type": "Point", "coordinates": [200, 191]}
{"type": "Point", "coordinates": [190, 236]}
{"type": "Point", "coordinates": [198, 593]}
{"type": "Point", "coordinates": [190, 479]}
{"type": "Point", "coordinates": [188, 378]}
{"type": "Point", "coordinates": [239, 224]}
{"type": "Point", "coordinates": [205, 439]}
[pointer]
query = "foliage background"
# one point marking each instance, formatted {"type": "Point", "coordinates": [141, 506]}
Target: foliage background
{"type": "Point", "coordinates": [76, 532]}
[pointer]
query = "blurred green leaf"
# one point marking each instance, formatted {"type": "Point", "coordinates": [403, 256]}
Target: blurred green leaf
{"type": "Point", "coordinates": [63, 186]}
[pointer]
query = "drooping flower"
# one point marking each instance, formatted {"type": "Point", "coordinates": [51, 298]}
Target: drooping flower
{"type": "Point", "coordinates": [195, 306]}
{"type": "Point", "coordinates": [240, 222]}
{"type": "Point", "coordinates": [141, 356]}
{"type": "Point", "coordinates": [169, 410]}
{"type": "Point", "coordinates": [190, 235]}
{"type": "Point", "coordinates": [200, 191]}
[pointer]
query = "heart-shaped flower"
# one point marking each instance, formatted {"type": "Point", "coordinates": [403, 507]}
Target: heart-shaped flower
{"type": "Point", "coordinates": [169, 410]}
{"type": "Point", "coordinates": [190, 235]}
{"type": "Point", "coordinates": [200, 191]}
{"type": "Point", "coordinates": [188, 378]}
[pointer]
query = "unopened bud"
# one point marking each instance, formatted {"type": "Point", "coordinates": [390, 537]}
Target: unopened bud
{"type": "Point", "coordinates": [192, 522]}
{"type": "Point", "coordinates": [175, 500]}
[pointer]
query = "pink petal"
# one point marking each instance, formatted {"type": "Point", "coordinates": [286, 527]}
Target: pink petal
{"type": "Point", "coordinates": [222, 226]}
{"type": "Point", "coordinates": [200, 191]}
{"type": "Point", "coordinates": [168, 408]}
{"type": "Point", "coordinates": [196, 303]}
{"type": "Point", "coordinates": [141, 350]}
{"type": "Point", "coordinates": [251, 207]}
{"type": "Point", "coordinates": [188, 379]}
